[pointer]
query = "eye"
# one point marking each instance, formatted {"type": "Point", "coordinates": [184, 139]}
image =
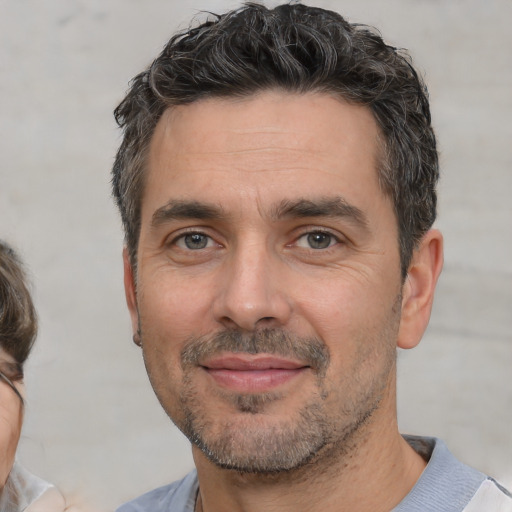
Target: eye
{"type": "Point", "coordinates": [194, 241]}
{"type": "Point", "coordinates": [317, 240]}
{"type": "Point", "coordinates": [14, 376]}
{"type": "Point", "coordinates": [13, 371]}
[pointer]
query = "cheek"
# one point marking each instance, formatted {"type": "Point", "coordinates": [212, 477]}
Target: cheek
{"type": "Point", "coordinates": [333, 308]}
{"type": "Point", "coordinates": [353, 320]}
{"type": "Point", "coordinates": [171, 311]}
{"type": "Point", "coordinates": [174, 307]}
{"type": "Point", "coordinates": [11, 418]}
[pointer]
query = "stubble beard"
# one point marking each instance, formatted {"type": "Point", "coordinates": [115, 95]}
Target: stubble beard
{"type": "Point", "coordinates": [253, 442]}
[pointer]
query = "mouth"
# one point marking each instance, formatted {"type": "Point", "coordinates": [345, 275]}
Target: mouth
{"type": "Point", "coordinates": [248, 373]}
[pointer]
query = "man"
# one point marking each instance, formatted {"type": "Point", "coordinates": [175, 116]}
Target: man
{"type": "Point", "coordinates": [276, 182]}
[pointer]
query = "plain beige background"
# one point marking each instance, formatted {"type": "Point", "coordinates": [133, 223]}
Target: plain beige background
{"type": "Point", "coordinates": [93, 425]}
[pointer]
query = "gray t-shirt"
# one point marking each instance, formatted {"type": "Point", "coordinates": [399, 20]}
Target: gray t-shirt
{"type": "Point", "coordinates": [446, 485]}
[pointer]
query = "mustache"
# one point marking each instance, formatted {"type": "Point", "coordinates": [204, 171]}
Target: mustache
{"type": "Point", "coordinates": [310, 350]}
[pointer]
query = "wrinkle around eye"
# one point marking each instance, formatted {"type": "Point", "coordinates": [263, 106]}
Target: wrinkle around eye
{"type": "Point", "coordinates": [333, 254]}
{"type": "Point", "coordinates": [176, 251]}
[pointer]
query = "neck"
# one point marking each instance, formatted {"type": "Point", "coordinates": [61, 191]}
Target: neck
{"type": "Point", "coordinates": [373, 474]}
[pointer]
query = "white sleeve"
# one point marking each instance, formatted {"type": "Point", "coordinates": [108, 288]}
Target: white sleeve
{"type": "Point", "coordinates": [490, 498]}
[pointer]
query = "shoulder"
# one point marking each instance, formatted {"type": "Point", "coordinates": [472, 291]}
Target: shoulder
{"type": "Point", "coordinates": [448, 485]}
{"type": "Point", "coordinates": [25, 491]}
{"type": "Point", "coordinates": [490, 496]}
{"type": "Point", "coordinates": [50, 501]}
{"type": "Point", "coordinates": [179, 496]}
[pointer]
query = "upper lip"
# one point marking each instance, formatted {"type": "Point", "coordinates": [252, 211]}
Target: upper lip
{"type": "Point", "coordinates": [247, 362]}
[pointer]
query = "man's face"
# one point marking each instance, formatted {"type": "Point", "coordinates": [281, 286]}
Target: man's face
{"type": "Point", "coordinates": [268, 282]}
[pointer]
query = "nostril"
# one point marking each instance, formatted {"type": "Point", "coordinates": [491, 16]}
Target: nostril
{"type": "Point", "coordinates": [228, 322]}
{"type": "Point", "coordinates": [267, 321]}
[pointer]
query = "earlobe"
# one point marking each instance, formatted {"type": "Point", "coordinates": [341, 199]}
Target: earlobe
{"type": "Point", "coordinates": [129, 290]}
{"type": "Point", "coordinates": [418, 289]}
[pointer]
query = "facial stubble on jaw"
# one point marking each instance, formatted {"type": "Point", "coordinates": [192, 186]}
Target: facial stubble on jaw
{"type": "Point", "coordinates": [253, 443]}
{"type": "Point", "coordinates": [251, 440]}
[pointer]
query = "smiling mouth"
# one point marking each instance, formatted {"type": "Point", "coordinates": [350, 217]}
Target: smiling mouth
{"type": "Point", "coordinates": [246, 373]}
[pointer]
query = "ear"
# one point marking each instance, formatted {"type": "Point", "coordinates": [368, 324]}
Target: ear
{"type": "Point", "coordinates": [418, 289]}
{"type": "Point", "coordinates": [129, 290]}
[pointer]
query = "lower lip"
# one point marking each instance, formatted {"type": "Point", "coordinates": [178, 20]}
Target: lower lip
{"type": "Point", "coordinates": [253, 381]}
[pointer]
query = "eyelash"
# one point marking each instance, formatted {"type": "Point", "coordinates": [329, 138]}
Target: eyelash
{"type": "Point", "coordinates": [182, 236]}
{"type": "Point", "coordinates": [334, 239]}
{"type": "Point", "coordinates": [12, 370]}
{"type": "Point", "coordinates": [312, 231]}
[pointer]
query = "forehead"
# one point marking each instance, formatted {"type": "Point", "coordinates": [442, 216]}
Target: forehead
{"type": "Point", "coordinates": [267, 146]}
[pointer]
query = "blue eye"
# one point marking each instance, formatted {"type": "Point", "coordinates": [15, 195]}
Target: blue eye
{"type": "Point", "coordinates": [194, 241]}
{"type": "Point", "coordinates": [316, 240]}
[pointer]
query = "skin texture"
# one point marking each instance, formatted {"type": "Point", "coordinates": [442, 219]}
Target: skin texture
{"type": "Point", "coordinates": [11, 416]}
{"type": "Point", "coordinates": [263, 217]}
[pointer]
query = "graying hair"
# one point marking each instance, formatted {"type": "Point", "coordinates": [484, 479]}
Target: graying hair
{"type": "Point", "coordinates": [300, 49]}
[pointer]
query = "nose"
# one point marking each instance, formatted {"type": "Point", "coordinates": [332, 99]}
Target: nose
{"type": "Point", "coordinates": [252, 294]}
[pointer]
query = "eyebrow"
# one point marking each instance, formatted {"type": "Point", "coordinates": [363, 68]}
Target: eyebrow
{"type": "Point", "coordinates": [182, 210]}
{"type": "Point", "coordinates": [330, 207]}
